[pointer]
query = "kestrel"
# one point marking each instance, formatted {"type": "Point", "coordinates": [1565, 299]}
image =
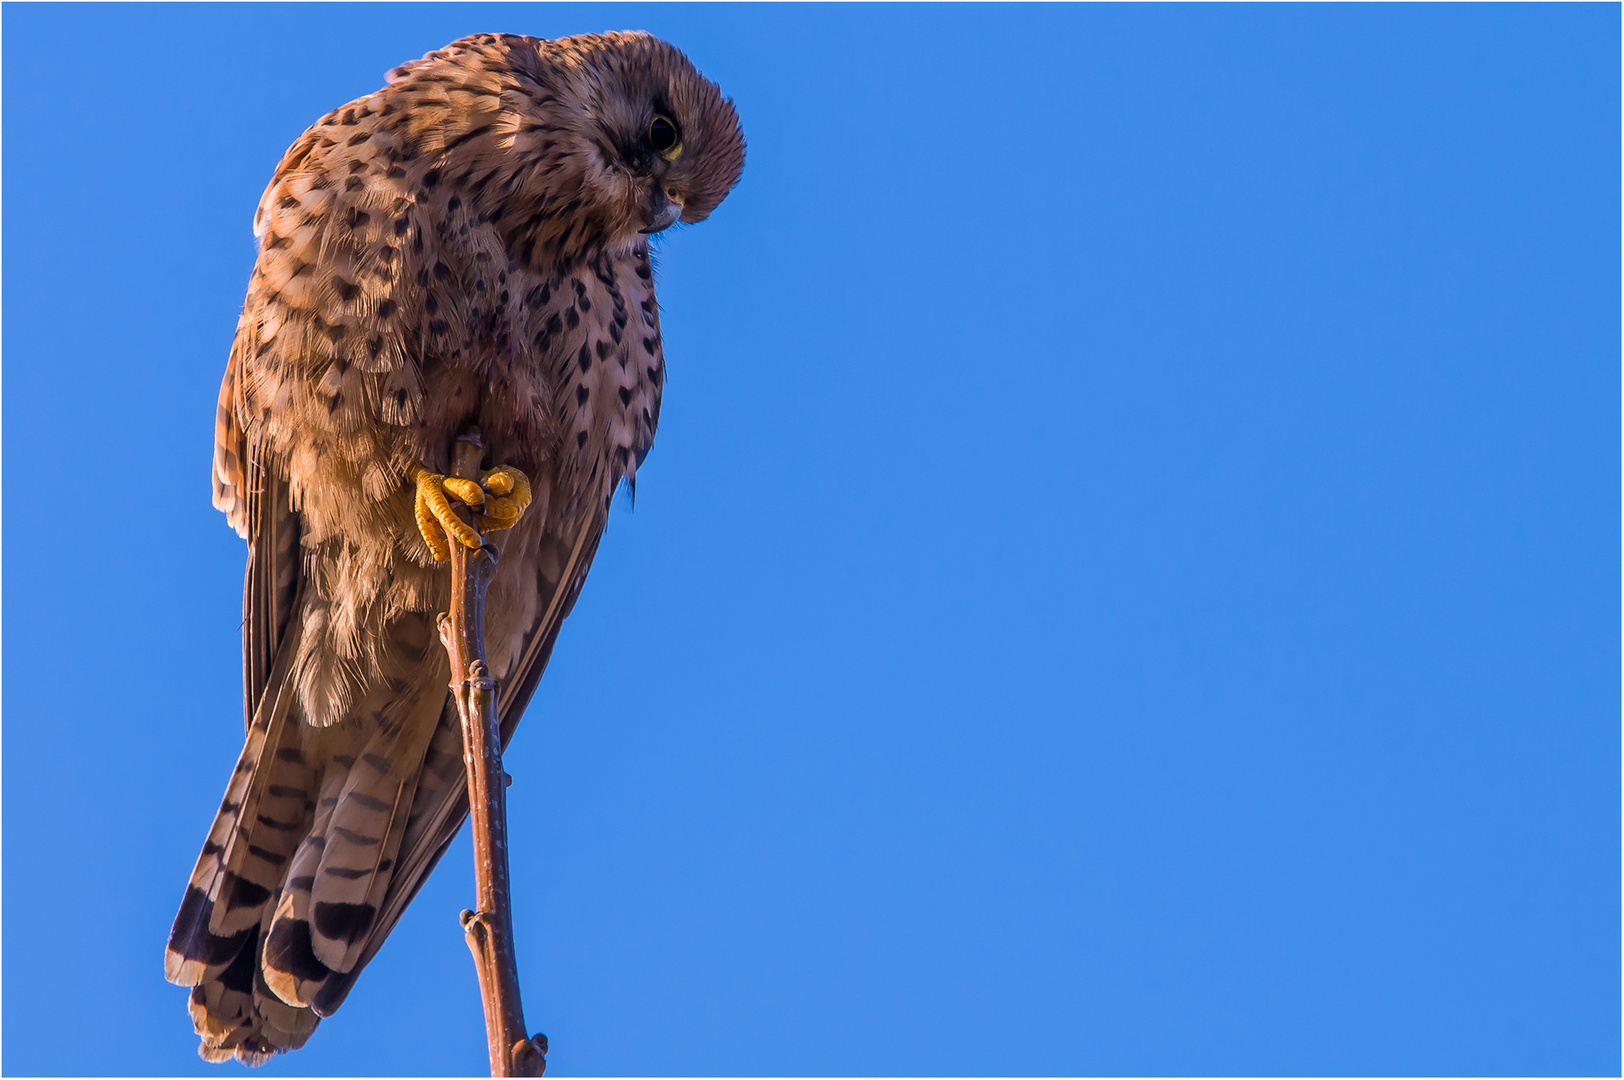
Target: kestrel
{"type": "Point", "coordinates": [468, 245]}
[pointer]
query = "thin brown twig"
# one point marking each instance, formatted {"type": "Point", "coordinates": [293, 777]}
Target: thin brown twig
{"type": "Point", "coordinates": [489, 930]}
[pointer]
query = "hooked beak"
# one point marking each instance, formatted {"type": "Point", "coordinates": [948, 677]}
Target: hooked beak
{"type": "Point", "coordinates": [664, 214]}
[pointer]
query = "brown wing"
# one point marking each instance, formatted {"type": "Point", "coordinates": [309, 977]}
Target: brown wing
{"type": "Point", "coordinates": [250, 490]}
{"type": "Point", "coordinates": [214, 944]}
{"type": "Point", "coordinates": [441, 803]}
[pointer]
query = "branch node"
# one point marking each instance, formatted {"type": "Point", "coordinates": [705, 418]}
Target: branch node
{"type": "Point", "coordinates": [528, 1058]}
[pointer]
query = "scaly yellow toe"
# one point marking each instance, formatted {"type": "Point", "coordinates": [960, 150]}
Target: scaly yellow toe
{"type": "Point", "coordinates": [434, 513]}
{"type": "Point", "coordinates": [510, 489]}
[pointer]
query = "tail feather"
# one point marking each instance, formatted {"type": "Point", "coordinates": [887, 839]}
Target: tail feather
{"type": "Point", "coordinates": [241, 864]}
{"type": "Point", "coordinates": [290, 968]}
{"type": "Point", "coordinates": [222, 1007]}
{"type": "Point", "coordinates": [268, 843]}
{"type": "Point", "coordinates": [215, 944]}
{"type": "Point", "coordinates": [236, 1015]}
{"type": "Point", "coordinates": [343, 869]}
{"type": "Point", "coordinates": [361, 842]}
{"type": "Point", "coordinates": [284, 1026]}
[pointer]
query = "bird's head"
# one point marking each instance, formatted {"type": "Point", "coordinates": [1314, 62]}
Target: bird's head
{"type": "Point", "coordinates": [654, 140]}
{"type": "Point", "coordinates": [571, 144]}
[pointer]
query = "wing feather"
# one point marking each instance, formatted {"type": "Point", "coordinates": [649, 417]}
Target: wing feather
{"type": "Point", "coordinates": [214, 944]}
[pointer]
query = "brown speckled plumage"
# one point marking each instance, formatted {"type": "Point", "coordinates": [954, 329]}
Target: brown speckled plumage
{"type": "Point", "coordinates": [463, 246]}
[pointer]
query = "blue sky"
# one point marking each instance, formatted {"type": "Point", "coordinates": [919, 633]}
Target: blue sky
{"type": "Point", "coordinates": [1127, 581]}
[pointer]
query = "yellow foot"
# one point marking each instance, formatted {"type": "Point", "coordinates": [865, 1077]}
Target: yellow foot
{"type": "Point", "coordinates": [501, 494]}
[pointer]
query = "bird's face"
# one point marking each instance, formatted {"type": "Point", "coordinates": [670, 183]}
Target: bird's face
{"type": "Point", "coordinates": [659, 142]}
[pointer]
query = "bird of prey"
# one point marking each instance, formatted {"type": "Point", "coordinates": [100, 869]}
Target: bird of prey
{"type": "Point", "coordinates": [467, 245]}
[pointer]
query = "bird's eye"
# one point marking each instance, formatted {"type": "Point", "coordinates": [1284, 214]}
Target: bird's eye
{"type": "Point", "coordinates": [664, 137]}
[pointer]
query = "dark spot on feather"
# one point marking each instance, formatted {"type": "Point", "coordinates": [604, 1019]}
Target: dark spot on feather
{"type": "Point", "coordinates": [195, 910]}
{"type": "Point", "coordinates": [239, 974]}
{"type": "Point", "coordinates": [275, 858]}
{"type": "Point", "coordinates": [346, 873]}
{"type": "Point", "coordinates": [371, 802]}
{"type": "Point", "coordinates": [353, 837]}
{"type": "Point", "coordinates": [288, 950]}
{"type": "Point", "coordinates": [245, 893]}
{"type": "Point", "coordinates": [343, 922]}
